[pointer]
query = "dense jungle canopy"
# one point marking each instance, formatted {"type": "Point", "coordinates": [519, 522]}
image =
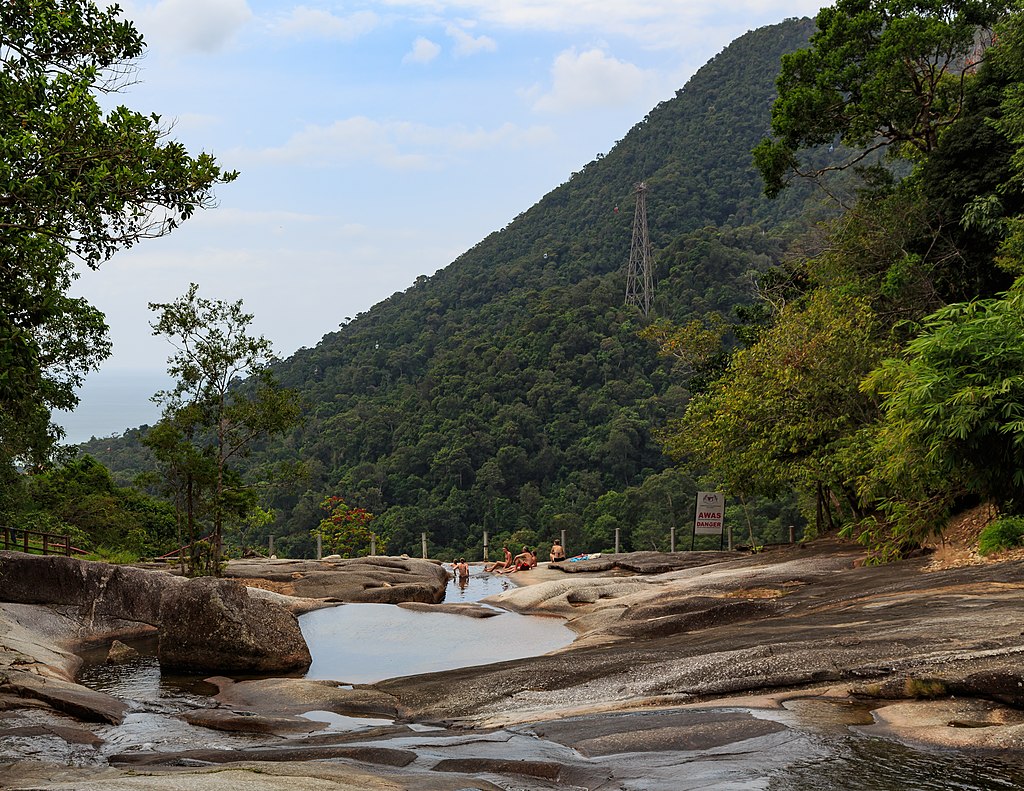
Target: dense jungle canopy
{"type": "Point", "coordinates": [845, 354]}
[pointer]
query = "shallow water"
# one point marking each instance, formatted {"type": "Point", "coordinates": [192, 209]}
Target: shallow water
{"type": "Point", "coordinates": [365, 643]}
{"type": "Point", "coordinates": [868, 764]}
{"type": "Point", "coordinates": [822, 749]}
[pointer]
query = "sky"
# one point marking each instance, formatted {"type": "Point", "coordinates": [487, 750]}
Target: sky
{"type": "Point", "coordinates": [376, 142]}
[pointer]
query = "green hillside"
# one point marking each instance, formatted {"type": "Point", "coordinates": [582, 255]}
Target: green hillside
{"type": "Point", "coordinates": [510, 391]}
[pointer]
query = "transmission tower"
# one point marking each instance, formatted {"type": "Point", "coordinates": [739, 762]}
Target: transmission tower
{"type": "Point", "coordinates": [639, 280]}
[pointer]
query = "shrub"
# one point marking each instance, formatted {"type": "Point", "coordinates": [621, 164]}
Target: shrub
{"type": "Point", "coordinates": [1005, 533]}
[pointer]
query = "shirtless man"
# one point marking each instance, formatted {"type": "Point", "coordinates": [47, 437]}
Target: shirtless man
{"type": "Point", "coordinates": [499, 565]}
{"type": "Point", "coordinates": [524, 561]}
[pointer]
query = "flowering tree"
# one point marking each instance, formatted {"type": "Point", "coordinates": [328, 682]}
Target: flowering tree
{"type": "Point", "coordinates": [345, 530]}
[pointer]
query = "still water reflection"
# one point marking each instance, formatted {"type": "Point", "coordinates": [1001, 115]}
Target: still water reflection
{"type": "Point", "coordinates": [364, 643]}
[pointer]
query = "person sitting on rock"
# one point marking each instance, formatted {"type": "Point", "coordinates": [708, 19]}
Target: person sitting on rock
{"type": "Point", "coordinates": [498, 565]}
{"type": "Point", "coordinates": [524, 561]}
{"type": "Point", "coordinates": [557, 551]}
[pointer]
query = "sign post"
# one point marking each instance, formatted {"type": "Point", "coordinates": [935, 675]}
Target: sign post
{"type": "Point", "coordinates": [709, 519]}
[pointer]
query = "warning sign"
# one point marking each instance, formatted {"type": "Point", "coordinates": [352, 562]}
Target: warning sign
{"type": "Point", "coordinates": [710, 517]}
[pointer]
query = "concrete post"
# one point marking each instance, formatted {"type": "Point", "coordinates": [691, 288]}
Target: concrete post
{"type": "Point", "coordinates": [671, 539]}
{"type": "Point", "coordinates": [373, 544]}
{"type": "Point", "coordinates": [270, 548]}
{"type": "Point", "coordinates": [423, 540]}
{"type": "Point", "coordinates": [319, 546]}
{"type": "Point", "coordinates": [616, 541]}
{"type": "Point", "coordinates": [566, 551]}
{"type": "Point", "coordinates": [485, 546]}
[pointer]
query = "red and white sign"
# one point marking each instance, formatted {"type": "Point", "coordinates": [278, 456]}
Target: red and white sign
{"type": "Point", "coordinates": [710, 517]}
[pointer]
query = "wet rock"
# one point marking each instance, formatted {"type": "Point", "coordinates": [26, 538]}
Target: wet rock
{"type": "Point", "coordinates": [292, 696]}
{"type": "Point", "coordinates": [381, 756]}
{"type": "Point", "coordinates": [1005, 686]}
{"type": "Point", "coordinates": [70, 735]}
{"type": "Point", "coordinates": [668, 730]}
{"type": "Point", "coordinates": [468, 609]}
{"type": "Point", "coordinates": [250, 722]}
{"type": "Point", "coordinates": [213, 624]}
{"type": "Point", "coordinates": [499, 766]}
{"type": "Point", "coordinates": [78, 701]}
{"type": "Point", "coordinates": [120, 652]}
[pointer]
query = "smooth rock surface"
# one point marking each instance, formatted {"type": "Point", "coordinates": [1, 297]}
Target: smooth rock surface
{"type": "Point", "coordinates": [211, 623]}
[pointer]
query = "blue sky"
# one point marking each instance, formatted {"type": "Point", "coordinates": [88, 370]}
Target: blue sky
{"type": "Point", "coordinates": [379, 140]}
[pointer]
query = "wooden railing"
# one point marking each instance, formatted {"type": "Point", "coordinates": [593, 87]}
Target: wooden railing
{"type": "Point", "coordinates": [37, 542]}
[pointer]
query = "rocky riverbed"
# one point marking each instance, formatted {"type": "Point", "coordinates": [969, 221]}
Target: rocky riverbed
{"type": "Point", "coordinates": [691, 670]}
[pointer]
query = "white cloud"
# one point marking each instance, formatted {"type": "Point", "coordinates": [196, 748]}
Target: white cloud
{"type": "Point", "coordinates": [585, 80]}
{"type": "Point", "coordinates": [306, 22]}
{"type": "Point", "coordinates": [396, 145]}
{"type": "Point", "coordinates": [466, 44]}
{"type": "Point", "coordinates": [423, 51]}
{"type": "Point", "coordinates": [190, 25]}
{"type": "Point", "coordinates": [653, 23]}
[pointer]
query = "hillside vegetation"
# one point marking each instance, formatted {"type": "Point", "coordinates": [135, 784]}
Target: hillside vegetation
{"type": "Point", "coordinates": [510, 392]}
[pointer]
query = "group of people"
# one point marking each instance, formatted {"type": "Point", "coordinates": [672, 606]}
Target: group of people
{"type": "Point", "coordinates": [524, 561]}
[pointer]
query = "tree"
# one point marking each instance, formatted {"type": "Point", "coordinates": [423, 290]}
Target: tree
{"type": "Point", "coordinates": [217, 411]}
{"type": "Point", "coordinates": [788, 409]}
{"type": "Point", "coordinates": [77, 183]}
{"type": "Point", "coordinates": [878, 73]}
{"type": "Point", "coordinates": [346, 530]}
{"type": "Point", "coordinates": [954, 403]}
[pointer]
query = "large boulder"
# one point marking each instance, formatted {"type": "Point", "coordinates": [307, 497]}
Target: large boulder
{"type": "Point", "coordinates": [377, 579]}
{"type": "Point", "coordinates": [100, 591]}
{"type": "Point", "coordinates": [212, 623]}
{"type": "Point", "coordinates": [206, 624]}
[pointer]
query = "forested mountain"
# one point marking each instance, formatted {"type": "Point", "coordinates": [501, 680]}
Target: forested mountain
{"type": "Point", "coordinates": [510, 391]}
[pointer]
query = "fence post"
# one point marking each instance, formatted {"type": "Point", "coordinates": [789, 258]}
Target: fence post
{"type": "Point", "coordinates": [672, 539]}
{"type": "Point", "coordinates": [566, 551]}
{"type": "Point", "coordinates": [373, 544]}
{"type": "Point", "coordinates": [792, 534]}
{"type": "Point", "coordinates": [319, 546]}
{"type": "Point", "coordinates": [270, 547]}
{"type": "Point", "coordinates": [423, 541]}
{"type": "Point", "coordinates": [485, 546]}
{"type": "Point", "coordinates": [616, 541]}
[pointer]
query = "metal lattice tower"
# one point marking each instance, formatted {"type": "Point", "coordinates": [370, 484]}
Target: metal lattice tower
{"type": "Point", "coordinates": [639, 277]}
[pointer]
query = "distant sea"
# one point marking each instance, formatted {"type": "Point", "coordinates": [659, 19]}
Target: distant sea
{"type": "Point", "coordinates": [112, 401]}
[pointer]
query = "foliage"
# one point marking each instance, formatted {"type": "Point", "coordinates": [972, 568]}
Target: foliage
{"type": "Point", "coordinates": [346, 530]}
{"type": "Point", "coordinates": [877, 73]}
{"type": "Point", "coordinates": [509, 391]}
{"type": "Point", "coordinates": [783, 413]}
{"type": "Point", "coordinates": [80, 499]}
{"type": "Point", "coordinates": [1007, 532]}
{"type": "Point", "coordinates": [209, 419]}
{"type": "Point", "coordinates": [79, 183]}
{"type": "Point", "coordinates": [954, 401]}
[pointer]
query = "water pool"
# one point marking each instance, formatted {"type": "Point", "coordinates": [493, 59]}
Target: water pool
{"type": "Point", "coordinates": [365, 643]}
